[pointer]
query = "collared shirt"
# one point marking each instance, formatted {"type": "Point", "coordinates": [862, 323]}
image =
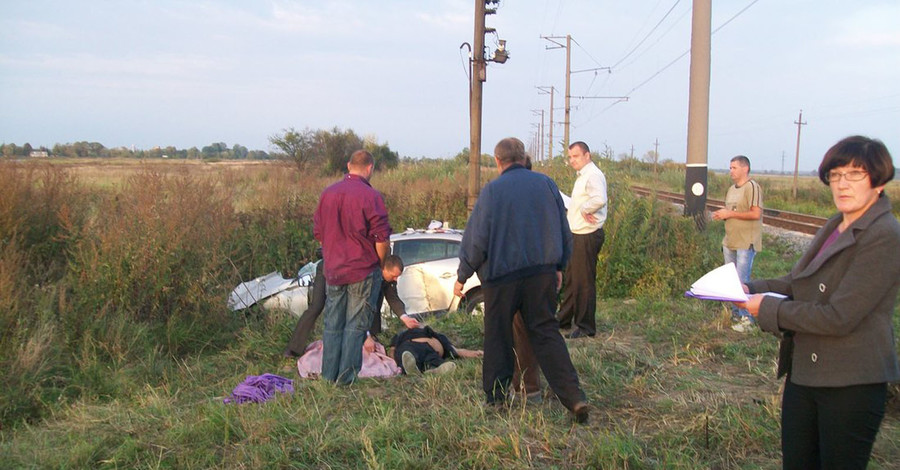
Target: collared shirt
{"type": "Point", "coordinates": [588, 197]}
{"type": "Point", "coordinates": [348, 221]}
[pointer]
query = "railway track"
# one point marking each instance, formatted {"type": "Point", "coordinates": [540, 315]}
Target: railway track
{"type": "Point", "coordinates": [777, 218]}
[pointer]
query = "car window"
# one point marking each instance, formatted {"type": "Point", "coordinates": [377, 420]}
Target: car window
{"type": "Point", "coordinates": [420, 251]}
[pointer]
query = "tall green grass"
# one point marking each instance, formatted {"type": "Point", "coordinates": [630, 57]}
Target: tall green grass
{"type": "Point", "coordinates": [119, 347]}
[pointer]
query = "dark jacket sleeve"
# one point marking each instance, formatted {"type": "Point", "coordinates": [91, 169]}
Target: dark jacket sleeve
{"type": "Point", "coordinates": [392, 296]}
{"type": "Point", "coordinates": [566, 231]}
{"type": "Point", "coordinates": [473, 249]}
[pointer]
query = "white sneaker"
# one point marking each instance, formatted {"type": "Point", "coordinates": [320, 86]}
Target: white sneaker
{"type": "Point", "coordinates": [409, 363]}
{"type": "Point", "coordinates": [445, 368]}
{"type": "Point", "coordinates": [745, 325]}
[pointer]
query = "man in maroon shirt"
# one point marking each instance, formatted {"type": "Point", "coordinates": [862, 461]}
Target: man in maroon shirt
{"type": "Point", "coordinates": [351, 223]}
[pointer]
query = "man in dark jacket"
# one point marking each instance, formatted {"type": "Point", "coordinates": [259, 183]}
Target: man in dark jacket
{"type": "Point", "coordinates": [387, 291]}
{"type": "Point", "coordinates": [517, 239]}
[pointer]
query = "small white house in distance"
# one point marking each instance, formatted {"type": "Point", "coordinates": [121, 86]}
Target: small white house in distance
{"type": "Point", "coordinates": [39, 154]}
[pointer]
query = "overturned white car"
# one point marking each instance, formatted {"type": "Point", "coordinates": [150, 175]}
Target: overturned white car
{"type": "Point", "coordinates": [273, 291]}
{"type": "Point", "coordinates": [430, 257]}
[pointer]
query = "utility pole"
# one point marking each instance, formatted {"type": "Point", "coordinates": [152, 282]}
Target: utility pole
{"type": "Point", "coordinates": [782, 162]}
{"type": "Point", "coordinates": [655, 156]}
{"type": "Point", "coordinates": [568, 88]}
{"type": "Point", "coordinates": [478, 77]}
{"type": "Point", "coordinates": [632, 151]}
{"type": "Point", "coordinates": [695, 183]}
{"type": "Point", "coordinates": [568, 48]}
{"type": "Point", "coordinates": [799, 122]}
{"type": "Point", "coordinates": [534, 147]}
{"type": "Point", "coordinates": [551, 91]}
{"type": "Point", "coordinates": [569, 72]}
{"type": "Point", "coordinates": [540, 143]}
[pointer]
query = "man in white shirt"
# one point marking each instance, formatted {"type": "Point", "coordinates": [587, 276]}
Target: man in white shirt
{"type": "Point", "coordinates": [586, 215]}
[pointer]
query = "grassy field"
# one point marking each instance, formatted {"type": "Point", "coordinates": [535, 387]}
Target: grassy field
{"type": "Point", "coordinates": [120, 350]}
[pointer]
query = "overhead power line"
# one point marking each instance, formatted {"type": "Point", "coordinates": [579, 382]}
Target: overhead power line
{"type": "Point", "coordinates": [661, 70]}
{"type": "Point", "coordinates": [659, 38]}
{"type": "Point", "coordinates": [588, 53]}
{"type": "Point", "coordinates": [648, 34]}
{"type": "Point", "coordinates": [735, 16]}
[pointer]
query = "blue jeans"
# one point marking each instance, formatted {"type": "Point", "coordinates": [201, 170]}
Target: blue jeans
{"type": "Point", "coordinates": [743, 261]}
{"type": "Point", "coordinates": [377, 279]}
{"type": "Point", "coordinates": [348, 314]}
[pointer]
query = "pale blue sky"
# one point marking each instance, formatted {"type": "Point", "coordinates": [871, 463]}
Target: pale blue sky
{"type": "Point", "coordinates": [189, 73]}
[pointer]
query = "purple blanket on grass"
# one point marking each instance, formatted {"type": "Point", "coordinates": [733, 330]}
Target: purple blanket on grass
{"type": "Point", "coordinates": [259, 388]}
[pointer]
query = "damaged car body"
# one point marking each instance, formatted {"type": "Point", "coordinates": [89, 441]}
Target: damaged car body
{"type": "Point", "coordinates": [430, 258]}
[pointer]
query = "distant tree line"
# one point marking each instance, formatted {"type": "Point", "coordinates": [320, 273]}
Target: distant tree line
{"type": "Point", "coordinates": [328, 150]}
{"type": "Point", "coordinates": [218, 150]}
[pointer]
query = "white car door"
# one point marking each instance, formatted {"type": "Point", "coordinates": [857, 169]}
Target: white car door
{"type": "Point", "coordinates": [430, 274]}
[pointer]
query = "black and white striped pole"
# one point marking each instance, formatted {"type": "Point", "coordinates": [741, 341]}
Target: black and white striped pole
{"type": "Point", "coordinates": [695, 182]}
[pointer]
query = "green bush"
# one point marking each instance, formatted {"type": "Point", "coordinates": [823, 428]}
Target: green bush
{"type": "Point", "coordinates": [416, 197]}
{"type": "Point", "coordinates": [648, 252]}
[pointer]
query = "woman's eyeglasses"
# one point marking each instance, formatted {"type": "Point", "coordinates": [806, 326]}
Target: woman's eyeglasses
{"type": "Point", "coordinates": [855, 175]}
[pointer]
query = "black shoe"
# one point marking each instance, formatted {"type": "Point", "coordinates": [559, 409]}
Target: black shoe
{"type": "Point", "coordinates": [579, 334]}
{"type": "Point", "coordinates": [580, 412]}
{"type": "Point", "coordinates": [497, 405]}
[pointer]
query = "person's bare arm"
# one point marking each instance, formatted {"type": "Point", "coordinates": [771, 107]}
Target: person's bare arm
{"type": "Point", "coordinates": [755, 213]}
{"type": "Point", "coordinates": [369, 344]}
{"type": "Point", "coordinates": [383, 249]}
{"type": "Point", "coordinates": [469, 353]}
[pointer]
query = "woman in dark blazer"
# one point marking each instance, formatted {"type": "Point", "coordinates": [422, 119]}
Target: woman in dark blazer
{"type": "Point", "coordinates": [838, 346]}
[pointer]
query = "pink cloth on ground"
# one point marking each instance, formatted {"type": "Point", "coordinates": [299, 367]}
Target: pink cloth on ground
{"type": "Point", "coordinates": [375, 364]}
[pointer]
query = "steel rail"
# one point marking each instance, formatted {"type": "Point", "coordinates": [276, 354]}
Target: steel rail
{"type": "Point", "coordinates": [794, 221]}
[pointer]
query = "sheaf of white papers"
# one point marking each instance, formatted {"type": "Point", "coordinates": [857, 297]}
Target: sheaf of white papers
{"type": "Point", "coordinates": [721, 283]}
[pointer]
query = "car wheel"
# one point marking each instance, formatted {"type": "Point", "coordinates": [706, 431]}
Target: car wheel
{"type": "Point", "coordinates": [475, 303]}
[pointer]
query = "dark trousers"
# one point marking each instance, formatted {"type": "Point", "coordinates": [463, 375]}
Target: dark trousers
{"type": "Point", "coordinates": [579, 299]}
{"type": "Point", "coordinates": [426, 356]}
{"type": "Point", "coordinates": [527, 373]}
{"type": "Point", "coordinates": [830, 427]}
{"type": "Point", "coordinates": [535, 298]}
{"type": "Point", "coordinates": [300, 338]}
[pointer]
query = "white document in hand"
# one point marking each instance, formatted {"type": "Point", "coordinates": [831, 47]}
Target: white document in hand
{"type": "Point", "coordinates": [721, 283]}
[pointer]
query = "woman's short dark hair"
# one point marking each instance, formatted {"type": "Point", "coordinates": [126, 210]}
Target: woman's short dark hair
{"type": "Point", "coordinates": [863, 152]}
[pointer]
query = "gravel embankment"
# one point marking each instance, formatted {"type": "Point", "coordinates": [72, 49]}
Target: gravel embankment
{"type": "Point", "coordinates": [798, 242]}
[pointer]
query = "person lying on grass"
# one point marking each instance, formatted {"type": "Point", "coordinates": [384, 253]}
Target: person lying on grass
{"type": "Point", "coordinates": [422, 349]}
